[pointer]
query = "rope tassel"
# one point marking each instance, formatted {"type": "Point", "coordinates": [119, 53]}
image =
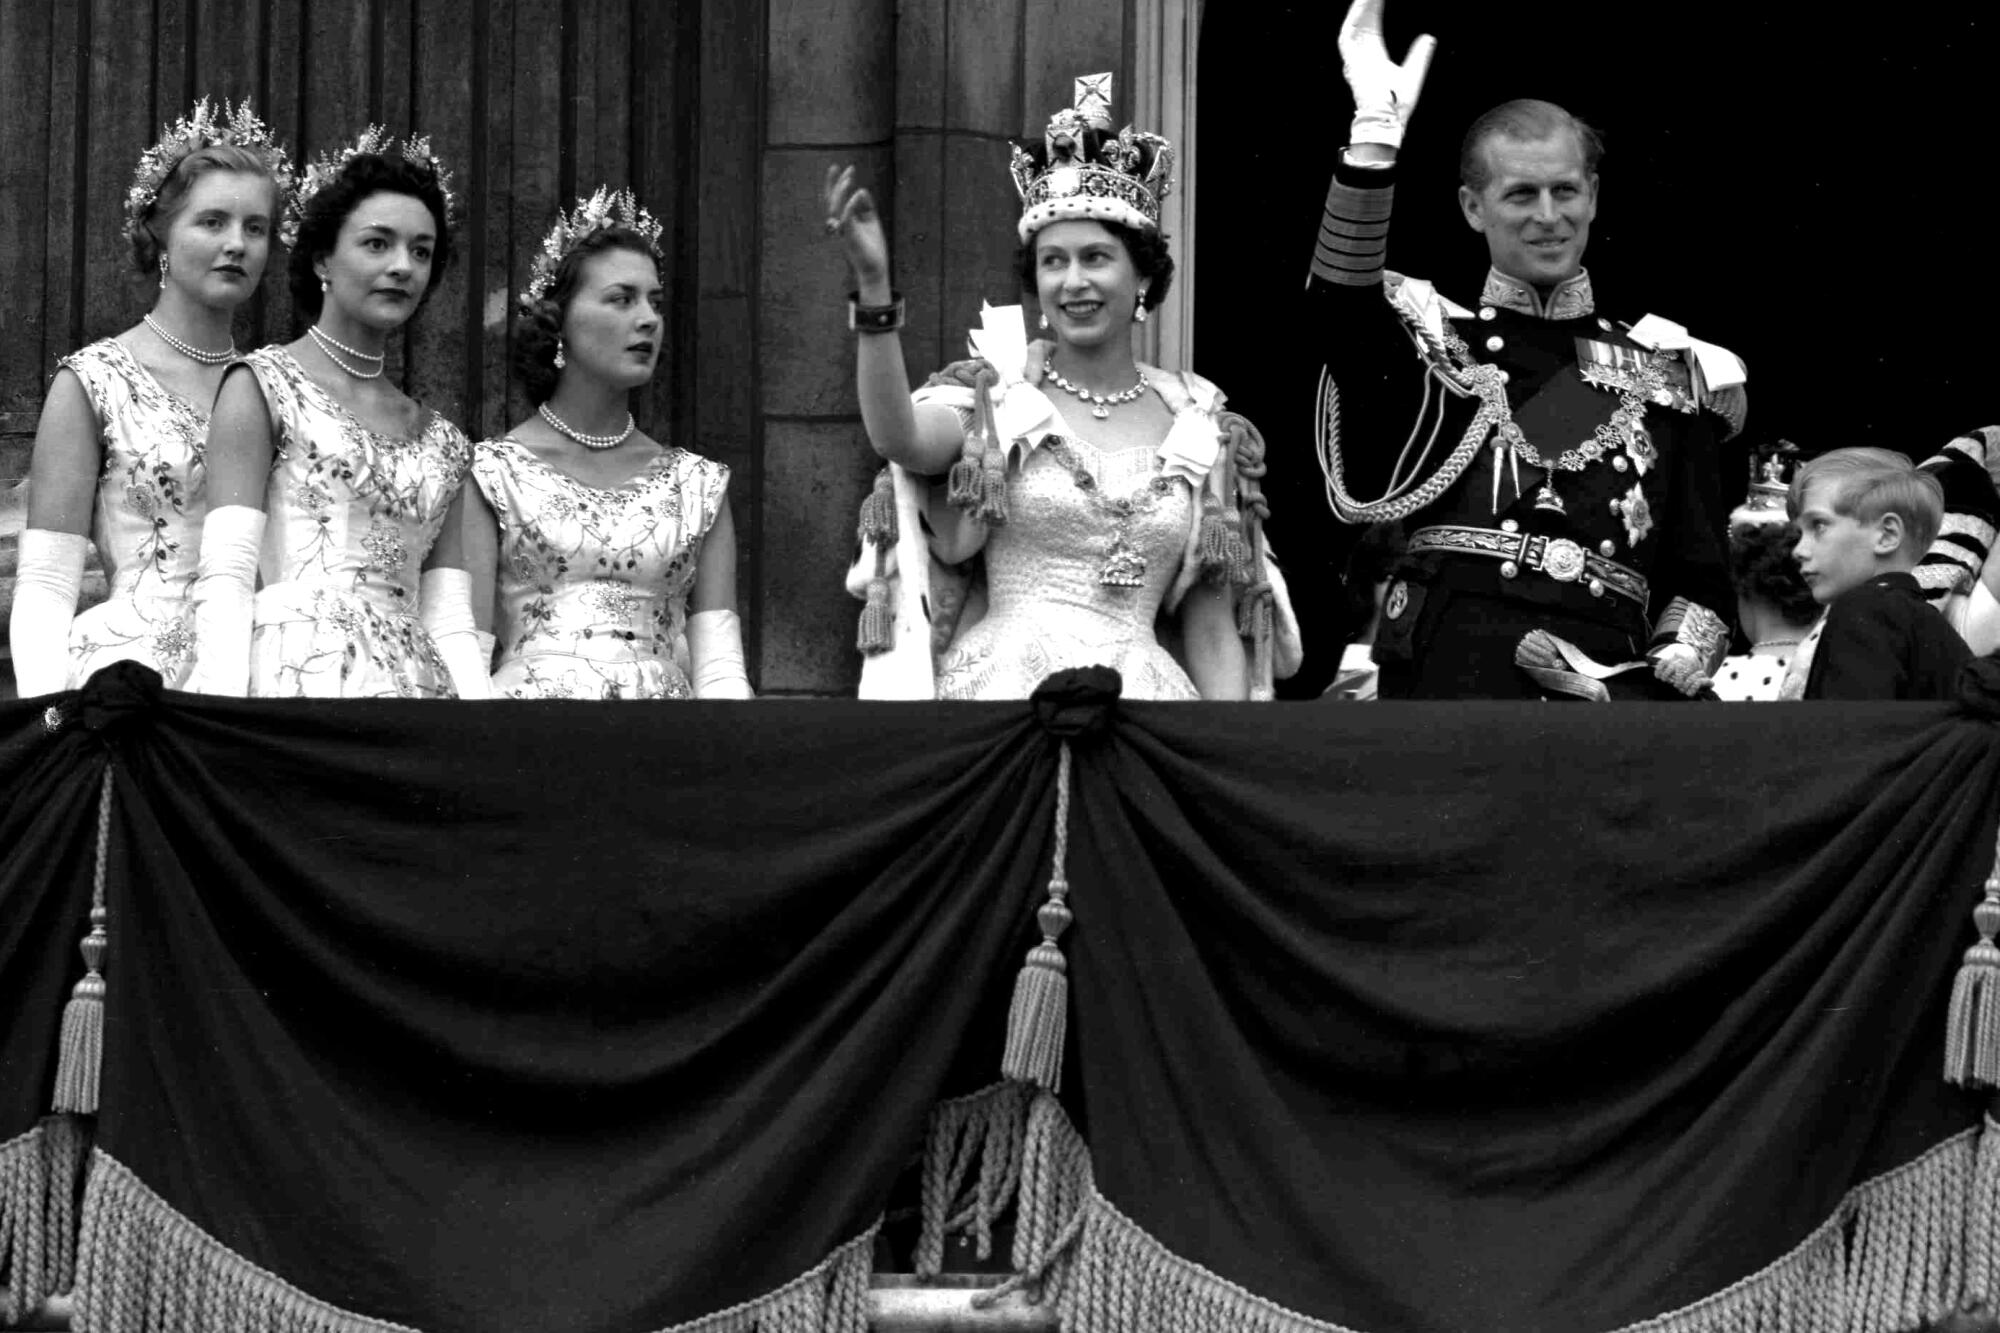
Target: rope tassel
{"type": "Point", "coordinates": [1038, 1018]}
{"type": "Point", "coordinates": [1972, 1026]}
{"type": "Point", "coordinates": [82, 1049]}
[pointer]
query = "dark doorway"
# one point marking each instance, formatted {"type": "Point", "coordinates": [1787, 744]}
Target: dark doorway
{"type": "Point", "coordinates": [1807, 190]}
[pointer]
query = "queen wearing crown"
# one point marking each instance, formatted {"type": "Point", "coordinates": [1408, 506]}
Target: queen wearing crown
{"type": "Point", "coordinates": [1058, 505]}
{"type": "Point", "coordinates": [330, 485]}
{"type": "Point", "coordinates": [606, 560]}
{"type": "Point", "coordinates": [119, 453]}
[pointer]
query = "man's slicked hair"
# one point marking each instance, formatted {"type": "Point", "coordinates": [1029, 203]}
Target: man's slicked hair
{"type": "Point", "coordinates": [1525, 119]}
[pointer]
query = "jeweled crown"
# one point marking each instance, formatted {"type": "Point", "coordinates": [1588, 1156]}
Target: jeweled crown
{"type": "Point", "coordinates": [1769, 487]}
{"type": "Point", "coordinates": [375, 139]}
{"type": "Point", "coordinates": [605, 208]}
{"type": "Point", "coordinates": [1122, 179]}
{"type": "Point", "coordinates": [208, 124]}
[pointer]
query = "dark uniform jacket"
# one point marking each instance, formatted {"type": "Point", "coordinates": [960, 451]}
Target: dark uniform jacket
{"type": "Point", "coordinates": [1884, 640]}
{"type": "Point", "coordinates": [1628, 554]}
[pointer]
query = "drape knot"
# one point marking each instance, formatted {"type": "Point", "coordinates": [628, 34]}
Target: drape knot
{"type": "Point", "coordinates": [117, 697]}
{"type": "Point", "coordinates": [1077, 701]}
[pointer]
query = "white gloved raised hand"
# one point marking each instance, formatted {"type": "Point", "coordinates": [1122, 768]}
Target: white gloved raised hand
{"type": "Point", "coordinates": [1385, 93]}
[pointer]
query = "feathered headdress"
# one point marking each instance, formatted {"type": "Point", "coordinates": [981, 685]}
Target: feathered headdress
{"type": "Point", "coordinates": [207, 125]}
{"type": "Point", "coordinates": [605, 208]}
{"type": "Point", "coordinates": [373, 140]}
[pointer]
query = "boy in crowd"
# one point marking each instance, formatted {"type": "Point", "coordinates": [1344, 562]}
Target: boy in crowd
{"type": "Point", "coordinates": [1866, 516]}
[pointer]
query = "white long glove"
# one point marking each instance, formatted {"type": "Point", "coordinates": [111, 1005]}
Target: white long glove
{"type": "Point", "coordinates": [1385, 93]}
{"type": "Point", "coordinates": [230, 539]}
{"type": "Point", "coordinates": [49, 576]}
{"type": "Point", "coordinates": [715, 647]}
{"type": "Point", "coordinates": [444, 599]}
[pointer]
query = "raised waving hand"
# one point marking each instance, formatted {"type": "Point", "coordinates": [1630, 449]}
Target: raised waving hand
{"type": "Point", "coordinates": [1385, 92]}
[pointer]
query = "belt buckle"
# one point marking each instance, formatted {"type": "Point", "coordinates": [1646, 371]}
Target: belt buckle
{"type": "Point", "coordinates": [1563, 560]}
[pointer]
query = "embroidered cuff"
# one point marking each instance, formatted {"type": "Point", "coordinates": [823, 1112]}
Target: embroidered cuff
{"type": "Point", "coordinates": [1697, 627]}
{"type": "Point", "coordinates": [1353, 230]}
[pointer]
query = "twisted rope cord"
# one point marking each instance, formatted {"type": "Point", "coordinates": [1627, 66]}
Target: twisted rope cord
{"type": "Point", "coordinates": [1390, 507]}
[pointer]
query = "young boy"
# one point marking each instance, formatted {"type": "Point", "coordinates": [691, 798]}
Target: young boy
{"type": "Point", "coordinates": [1866, 516]}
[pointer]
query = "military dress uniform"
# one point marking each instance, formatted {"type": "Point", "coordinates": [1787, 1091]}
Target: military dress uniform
{"type": "Point", "coordinates": [1553, 472]}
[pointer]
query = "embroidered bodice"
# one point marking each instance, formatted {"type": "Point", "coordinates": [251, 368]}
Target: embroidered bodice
{"type": "Point", "coordinates": [597, 575]}
{"type": "Point", "coordinates": [1049, 602]}
{"type": "Point", "coordinates": [150, 489]}
{"type": "Point", "coordinates": [349, 507]}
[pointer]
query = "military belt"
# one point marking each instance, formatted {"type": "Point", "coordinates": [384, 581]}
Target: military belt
{"type": "Point", "coordinates": [1557, 558]}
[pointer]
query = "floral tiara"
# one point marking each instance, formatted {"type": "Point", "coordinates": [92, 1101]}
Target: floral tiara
{"type": "Point", "coordinates": [209, 124]}
{"type": "Point", "coordinates": [606, 208]}
{"type": "Point", "coordinates": [374, 140]}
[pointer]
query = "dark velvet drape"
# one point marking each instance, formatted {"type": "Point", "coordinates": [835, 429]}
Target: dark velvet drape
{"type": "Point", "coordinates": [602, 1018]}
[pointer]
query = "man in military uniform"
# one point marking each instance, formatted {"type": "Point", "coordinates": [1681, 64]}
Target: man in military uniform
{"type": "Point", "coordinates": [1556, 472]}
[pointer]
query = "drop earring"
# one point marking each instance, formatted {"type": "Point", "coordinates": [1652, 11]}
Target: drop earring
{"type": "Point", "coordinates": [561, 361]}
{"type": "Point", "coordinates": [325, 286]}
{"type": "Point", "coordinates": [163, 270]}
{"type": "Point", "coordinates": [1045, 320]}
{"type": "Point", "coordinates": [1139, 311]}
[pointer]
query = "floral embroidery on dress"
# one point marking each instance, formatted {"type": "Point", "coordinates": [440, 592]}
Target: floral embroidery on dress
{"type": "Point", "coordinates": [147, 518]}
{"type": "Point", "coordinates": [352, 514]}
{"type": "Point", "coordinates": [385, 547]}
{"type": "Point", "coordinates": [594, 581]}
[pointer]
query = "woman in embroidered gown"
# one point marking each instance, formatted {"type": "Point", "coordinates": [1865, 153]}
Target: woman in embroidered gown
{"type": "Point", "coordinates": [607, 560]}
{"type": "Point", "coordinates": [326, 478]}
{"type": "Point", "coordinates": [118, 452]}
{"type": "Point", "coordinates": [1097, 490]}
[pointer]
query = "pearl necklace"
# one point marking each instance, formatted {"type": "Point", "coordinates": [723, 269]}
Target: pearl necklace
{"type": "Point", "coordinates": [1100, 404]}
{"type": "Point", "coordinates": [189, 350]}
{"type": "Point", "coordinates": [333, 350]}
{"type": "Point", "coordinates": [585, 439]}
{"type": "Point", "coordinates": [1774, 643]}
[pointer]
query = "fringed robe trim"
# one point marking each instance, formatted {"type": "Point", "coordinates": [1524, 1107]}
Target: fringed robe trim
{"type": "Point", "coordinates": [38, 1217]}
{"type": "Point", "coordinates": [144, 1267]}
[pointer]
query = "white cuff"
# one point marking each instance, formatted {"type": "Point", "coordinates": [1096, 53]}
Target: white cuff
{"type": "Point", "coordinates": [444, 601]}
{"type": "Point", "coordinates": [231, 537]}
{"type": "Point", "coordinates": [48, 577]}
{"type": "Point", "coordinates": [715, 647]}
{"type": "Point", "coordinates": [1376, 125]}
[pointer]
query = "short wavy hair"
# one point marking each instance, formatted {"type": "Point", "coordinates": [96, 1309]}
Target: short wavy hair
{"type": "Point", "coordinates": [1526, 119]}
{"type": "Point", "coordinates": [363, 175]}
{"type": "Point", "coordinates": [1762, 569]}
{"type": "Point", "coordinates": [1151, 258]}
{"type": "Point", "coordinates": [148, 240]}
{"type": "Point", "coordinates": [538, 326]}
{"type": "Point", "coordinates": [1868, 483]}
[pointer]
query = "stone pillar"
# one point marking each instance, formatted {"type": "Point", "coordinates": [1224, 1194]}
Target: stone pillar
{"type": "Point", "coordinates": [830, 96]}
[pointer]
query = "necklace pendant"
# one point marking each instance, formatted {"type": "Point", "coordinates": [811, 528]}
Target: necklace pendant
{"type": "Point", "coordinates": [1124, 567]}
{"type": "Point", "coordinates": [1101, 411]}
{"type": "Point", "coordinates": [1548, 501]}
